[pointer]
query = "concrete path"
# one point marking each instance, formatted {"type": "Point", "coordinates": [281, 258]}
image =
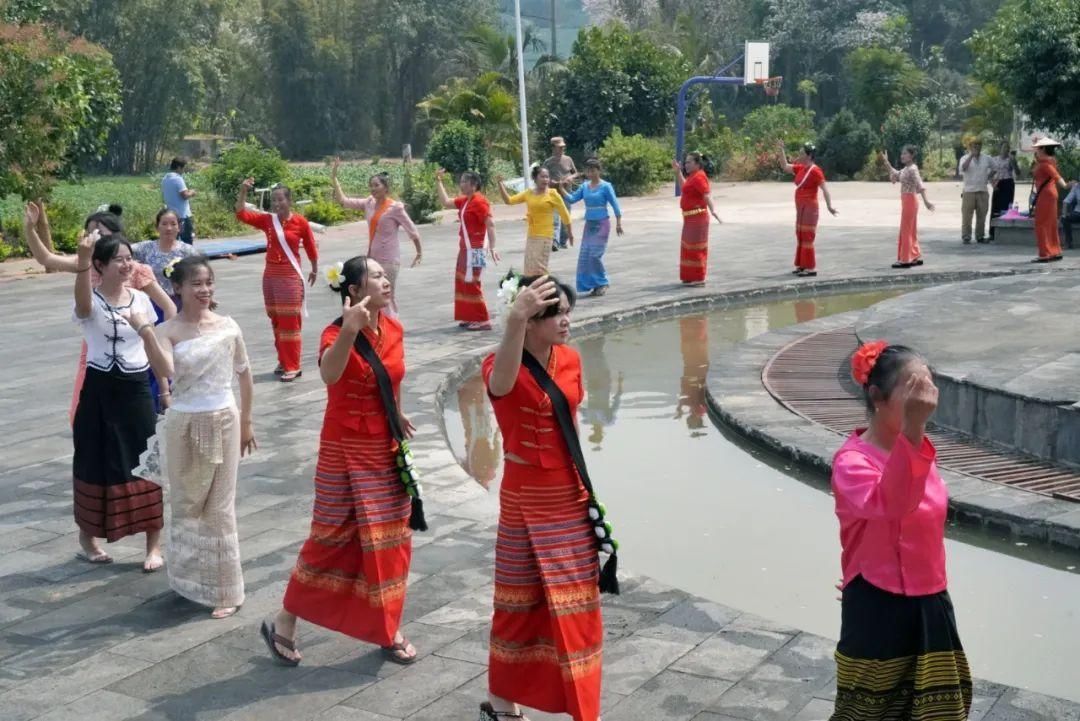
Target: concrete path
{"type": "Point", "coordinates": [84, 643]}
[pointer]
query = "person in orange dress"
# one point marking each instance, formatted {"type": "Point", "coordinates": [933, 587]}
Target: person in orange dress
{"type": "Point", "coordinates": [808, 178]}
{"type": "Point", "coordinates": [283, 280]}
{"type": "Point", "coordinates": [351, 574]}
{"type": "Point", "coordinates": [695, 202]}
{"type": "Point", "coordinates": [1046, 181]}
{"type": "Point", "coordinates": [476, 231]}
{"type": "Point", "coordinates": [908, 252]}
{"type": "Point", "coordinates": [547, 632]}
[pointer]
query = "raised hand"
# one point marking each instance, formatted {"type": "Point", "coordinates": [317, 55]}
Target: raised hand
{"type": "Point", "coordinates": [334, 168]}
{"type": "Point", "coordinates": [532, 300]}
{"type": "Point", "coordinates": [355, 317]}
{"type": "Point", "coordinates": [440, 174]}
{"type": "Point", "coordinates": [135, 319]}
{"type": "Point", "coordinates": [885, 157]}
{"type": "Point", "coordinates": [676, 165]}
{"type": "Point", "coordinates": [920, 401]}
{"type": "Point", "coordinates": [32, 214]}
{"type": "Point", "coordinates": [85, 247]}
{"type": "Point", "coordinates": [249, 183]}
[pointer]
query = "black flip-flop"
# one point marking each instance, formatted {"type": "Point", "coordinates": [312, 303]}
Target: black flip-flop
{"type": "Point", "coordinates": [270, 635]}
{"type": "Point", "coordinates": [391, 654]}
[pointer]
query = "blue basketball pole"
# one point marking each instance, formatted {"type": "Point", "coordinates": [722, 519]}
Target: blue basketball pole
{"type": "Point", "coordinates": [680, 111]}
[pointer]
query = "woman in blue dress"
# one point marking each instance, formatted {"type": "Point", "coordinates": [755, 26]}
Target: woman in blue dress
{"type": "Point", "coordinates": [598, 194]}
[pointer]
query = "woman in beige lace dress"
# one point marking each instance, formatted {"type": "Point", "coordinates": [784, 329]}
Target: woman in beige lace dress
{"type": "Point", "coordinates": [201, 441]}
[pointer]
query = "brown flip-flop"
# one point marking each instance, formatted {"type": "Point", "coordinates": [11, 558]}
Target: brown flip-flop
{"type": "Point", "coordinates": [391, 653]}
{"type": "Point", "coordinates": [273, 640]}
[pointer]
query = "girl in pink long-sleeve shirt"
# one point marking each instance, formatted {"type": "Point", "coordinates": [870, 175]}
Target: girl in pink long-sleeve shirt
{"type": "Point", "coordinates": [385, 217]}
{"type": "Point", "coordinates": [899, 651]}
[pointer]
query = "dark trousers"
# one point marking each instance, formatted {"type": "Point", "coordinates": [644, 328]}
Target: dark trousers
{"type": "Point", "coordinates": [1004, 193]}
{"type": "Point", "coordinates": [1068, 220]}
{"type": "Point", "coordinates": [187, 230]}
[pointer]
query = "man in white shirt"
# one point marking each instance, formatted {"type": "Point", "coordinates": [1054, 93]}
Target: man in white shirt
{"type": "Point", "coordinates": [1070, 214]}
{"type": "Point", "coordinates": [975, 169]}
{"type": "Point", "coordinates": [177, 197]}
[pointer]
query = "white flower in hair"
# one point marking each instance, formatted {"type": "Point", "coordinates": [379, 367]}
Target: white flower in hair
{"type": "Point", "coordinates": [509, 289]}
{"type": "Point", "coordinates": [335, 274]}
{"type": "Point", "coordinates": [167, 271]}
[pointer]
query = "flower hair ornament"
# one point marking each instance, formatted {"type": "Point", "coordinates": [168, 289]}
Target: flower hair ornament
{"type": "Point", "coordinates": [167, 271]}
{"type": "Point", "coordinates": [335, 274]}
{"type": "Point", "coordinates": [864, 360]}
{"type": "Point", "coordinates": [509, 288]}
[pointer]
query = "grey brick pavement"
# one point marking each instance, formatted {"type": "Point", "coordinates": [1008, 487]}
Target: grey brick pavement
{"type": "Point", "coordinates": [83, 643]}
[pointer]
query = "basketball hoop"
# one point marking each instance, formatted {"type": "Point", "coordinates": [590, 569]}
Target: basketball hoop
{"type": "Point", "coordinates": [771, 85]}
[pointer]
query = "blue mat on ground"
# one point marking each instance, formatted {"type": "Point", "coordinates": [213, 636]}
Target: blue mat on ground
{"type": "Point", "coordinates": [230, 246]}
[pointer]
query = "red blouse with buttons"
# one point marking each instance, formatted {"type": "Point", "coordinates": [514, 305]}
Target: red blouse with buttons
{"type": "Point", "coordinates": [297, 234]}
{"type": "Point", "coordinates": [530, 430]}
{"type": "Point", "coordinates": [353, 403]}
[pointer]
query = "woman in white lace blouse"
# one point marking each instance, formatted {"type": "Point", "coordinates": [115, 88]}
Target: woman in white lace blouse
{"type": "Point", "coordinates": [201, 441]}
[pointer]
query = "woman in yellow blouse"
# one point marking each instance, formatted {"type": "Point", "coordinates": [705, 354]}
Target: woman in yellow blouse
{"type": "Point", "coordinates": [543, 202]}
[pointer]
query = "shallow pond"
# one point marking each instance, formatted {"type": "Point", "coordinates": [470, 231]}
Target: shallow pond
{"type": "Point", "coordinates": [696, 508]}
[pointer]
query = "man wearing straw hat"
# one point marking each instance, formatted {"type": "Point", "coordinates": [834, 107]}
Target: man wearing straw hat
{"type": "Point", "coordinates": [560, 167]}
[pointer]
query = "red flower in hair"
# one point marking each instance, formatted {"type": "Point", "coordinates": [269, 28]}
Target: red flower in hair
{"type": "Point", "coordinates": [865, 359]}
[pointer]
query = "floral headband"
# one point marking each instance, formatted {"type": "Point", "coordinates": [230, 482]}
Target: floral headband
{"type": "Point", "coordinates": [167, 271]}
{"type": "Point", "coordinates": [864, 360]}
{"type": "Point", "coordinates": [335, 274]}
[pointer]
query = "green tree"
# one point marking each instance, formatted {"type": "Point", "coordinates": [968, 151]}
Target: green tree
{"type": "Point", "coordinates": [458, 146]}
{"type": "Point", "coordinates": [845, 144]}
{"type": "Point", "coordinates": [160, 48]}
{"type": "Point", "coordinates": [881, 78]}
{"type": "Point", "coordinates": [614, 78]}
{"type": "Point", "coordinates": [58, 96]}
{"type": "Point", "coordinates": [1031, 50]}
{"type": "Point", "coordinates": [487, 103]}
{"type": "Point", "coordinates": [990, 112]}
{"type": "Point", "coordinates": [909, 124]}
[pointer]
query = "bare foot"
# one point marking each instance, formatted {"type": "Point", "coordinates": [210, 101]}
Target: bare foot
{"type": "Point", "coordinates": [91, 551]}
{"type": "Point", "coordinates": [153, 562]}
{"type": "Point", "coordinates": [219, 613]}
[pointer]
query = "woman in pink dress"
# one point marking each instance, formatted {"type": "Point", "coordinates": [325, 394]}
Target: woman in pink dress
{"type": "Point", "coordinates": [899, 655]}
{"type": "Point", "coordinates": [385, 217]}
{"type": "Point", "coordinates": [908, 254]}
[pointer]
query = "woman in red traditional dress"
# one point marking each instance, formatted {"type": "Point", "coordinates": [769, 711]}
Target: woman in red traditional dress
{"type": "Point", "coordinates": [547, 632]}
{"type": "Point", "coordinates": [695, 202]}
{"type": "Point", "coordinates": [283, 280]}
{"type": "Point", "coordinates": [1046, 181]}
{"type": "Point", "coordinates": [808, 178]}
{"type": "Point", "coordinates": [475, 226]}
{"type": "Point", "coordinates": [352, 570]}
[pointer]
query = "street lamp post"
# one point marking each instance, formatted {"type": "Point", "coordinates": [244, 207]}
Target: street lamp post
{"type": "Point", "coordinates": [521, 93]}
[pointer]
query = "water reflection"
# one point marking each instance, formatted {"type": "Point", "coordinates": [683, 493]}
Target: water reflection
{"type": "Point", "coordinates": [694, 345]}
{"type": "Point", "coordinates": [483, 444]}
{"type": "Point", "coordinates": [601, 404]}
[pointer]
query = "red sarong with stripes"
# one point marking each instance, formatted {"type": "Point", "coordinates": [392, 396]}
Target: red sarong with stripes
{"type": "Point", "coordinates": [352, 570]}
{"type": "Point", "coordinates": [694, 248]}
{"type": "Point", "coordinates": [283, 296]}
{"type": "Point", "coordinates": [806, 222]}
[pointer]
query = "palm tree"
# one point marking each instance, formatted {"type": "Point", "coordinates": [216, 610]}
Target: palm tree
{"type": "Point", "coordinates": [487, 102]}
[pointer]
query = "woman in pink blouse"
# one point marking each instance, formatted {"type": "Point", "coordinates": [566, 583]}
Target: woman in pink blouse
{"type": "Point", "coordinates": [385, 217]}
{"type": "Point", "coordinates": [899, 648]}
{"type": "Point", "coordinates": [908, 253]}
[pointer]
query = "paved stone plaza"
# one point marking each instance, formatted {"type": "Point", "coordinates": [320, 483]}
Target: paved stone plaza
{"type": "Point", "coordinates": [87, 644]}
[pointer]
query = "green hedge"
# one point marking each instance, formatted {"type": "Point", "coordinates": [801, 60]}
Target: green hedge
{"type": "Point", "coordinates": [634, 164]}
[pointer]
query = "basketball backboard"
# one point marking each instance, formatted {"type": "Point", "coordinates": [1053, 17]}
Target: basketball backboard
{"type": "Point", "coordinates": [755, 62]}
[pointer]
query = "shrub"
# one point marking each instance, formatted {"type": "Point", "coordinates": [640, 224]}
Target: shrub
{"type": "Point", "coordinates": [458, 146]}
{"type": "Point", "coordinates": [419, 195]}
{"type": "Point", "coordinates": [634, 164]}
{"type": "Point", "coordinates": [65, 222]}
{"type": "Point", "coordinates": [909, 124]}
{"type": "Point", "coordinates": [323, 211]}
{"type": "Point", "coordinates": [844, 144]}
{"type": "Point", "coordinates": [246, 159]}
{"type": "Point", "coordinates": [720, 144]}
{"type": "Point", "coordinates": [764, 127]}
